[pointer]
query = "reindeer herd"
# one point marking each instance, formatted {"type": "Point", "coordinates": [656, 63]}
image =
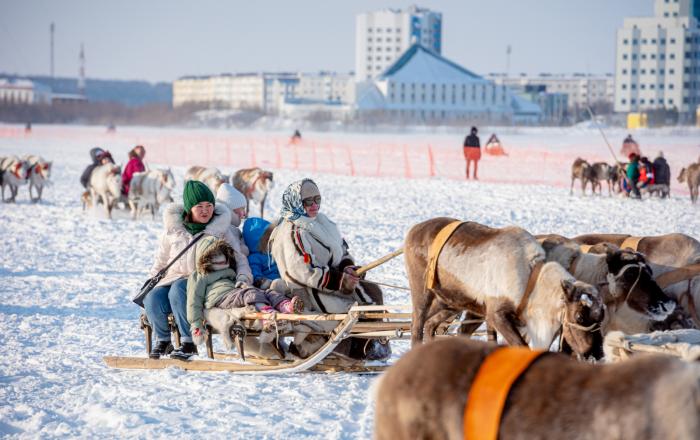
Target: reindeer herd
{"type": "Point", "coordinates": [531, 290]}
{"type": "Point", "coordinates": [597, 172]}
{"type": "Point", "coordinates": [31, 170]}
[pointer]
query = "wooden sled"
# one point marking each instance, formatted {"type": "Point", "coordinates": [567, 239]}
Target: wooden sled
{"type": "Point", "coordinates": [684, 344]}
{"type": "Point", "coordinates": [370, 322]}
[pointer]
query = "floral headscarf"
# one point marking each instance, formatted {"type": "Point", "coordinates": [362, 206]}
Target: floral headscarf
{"type": "Point", "coordinates": [292, 207]}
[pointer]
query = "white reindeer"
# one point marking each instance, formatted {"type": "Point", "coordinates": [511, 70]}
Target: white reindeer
{"type": "Point", "coordinates": [106, 184]}
{"type": "Point", "coordinates": [39, 174]}
{"type": "Point", "coordinates": [210, 176]}
{"type": "Point", "coordinates": [150, 189]}
{"type": "Point", "coordinates": [14, 173]}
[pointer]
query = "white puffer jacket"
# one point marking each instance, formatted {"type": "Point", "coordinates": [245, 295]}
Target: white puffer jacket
{"type": "Point", "coordinates": [176, 238]}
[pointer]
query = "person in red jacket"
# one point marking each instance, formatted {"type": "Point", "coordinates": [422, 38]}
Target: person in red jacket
{"type": "Point", "coordinates": [135, 165]}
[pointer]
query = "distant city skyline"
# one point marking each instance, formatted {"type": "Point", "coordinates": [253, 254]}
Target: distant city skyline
{"type": "Point", "coordinates": [164, 40]}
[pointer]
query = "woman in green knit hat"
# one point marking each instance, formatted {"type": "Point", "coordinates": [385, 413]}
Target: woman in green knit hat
{"type": "Point", "coordinates": [198, 214]}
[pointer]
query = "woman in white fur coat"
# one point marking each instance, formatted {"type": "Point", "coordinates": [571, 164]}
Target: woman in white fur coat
{"type": "Point", "coordinates": [313, 257]}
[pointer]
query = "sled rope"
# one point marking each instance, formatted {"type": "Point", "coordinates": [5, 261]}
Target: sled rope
{"type": "Point", "coordinates": [490, 388]}
{"type": "Point", "coordinates": [386, 285]}
{"type": "Point", "coordinates": [436, 248]}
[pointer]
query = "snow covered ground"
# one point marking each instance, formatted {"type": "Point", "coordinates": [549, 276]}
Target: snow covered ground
{"type": "Point", "coordinates": [67, 278]}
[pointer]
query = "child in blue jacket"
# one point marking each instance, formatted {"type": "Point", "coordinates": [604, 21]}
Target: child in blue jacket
{"type": "Point", "coordinates": [260, 260]}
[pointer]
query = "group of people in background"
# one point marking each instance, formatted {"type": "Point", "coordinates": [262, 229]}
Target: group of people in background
{"type": "Point", "coordinates": [641, 173]}
{"type": "Point", "coordinates": [134, 165]}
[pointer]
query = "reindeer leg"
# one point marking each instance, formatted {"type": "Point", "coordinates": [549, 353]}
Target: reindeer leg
{"type": "Point", "coordinates": [421, 303]}
{"type": "Point", "coordinates": [40, 190]}
{"type": "Point", "coordinates": [501, 314]}
{"type": "Point", "coordinates": [571, 191]}
{"type": "Point", "coordinates": [262, 206]}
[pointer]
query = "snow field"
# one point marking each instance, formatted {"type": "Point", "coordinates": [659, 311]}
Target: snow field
{"type": "Point", "coordinates": [68, 276]}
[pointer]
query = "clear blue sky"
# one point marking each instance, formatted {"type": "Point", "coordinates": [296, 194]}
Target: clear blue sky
{"type": "Point", "coordinates": [158, 40]}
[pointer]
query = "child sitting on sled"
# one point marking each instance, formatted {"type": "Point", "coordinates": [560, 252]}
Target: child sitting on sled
{"type": "Point", "coordinates": [213, 284]}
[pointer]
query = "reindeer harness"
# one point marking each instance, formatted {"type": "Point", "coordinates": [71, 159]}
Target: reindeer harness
{"type": "Point", "coordinates": [440, 241]}
{"type": "Point", "coordinates": [490, 389]}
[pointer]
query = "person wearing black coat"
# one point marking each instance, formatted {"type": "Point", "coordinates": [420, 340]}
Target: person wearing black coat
{"type": "Point", "coordinates": [472, 151]}
{"type": "Point", "coordinates": [99, 157]}
{"type": "Point", "coordinates": [662, 172]}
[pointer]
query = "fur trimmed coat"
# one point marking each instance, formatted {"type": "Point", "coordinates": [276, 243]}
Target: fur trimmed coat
{"type": "Point", "coordinates": [177, 238]}
{"type": "Point", "coordinates": [311, 254]}
{"type": "Point", "coordinates": [210, 282]}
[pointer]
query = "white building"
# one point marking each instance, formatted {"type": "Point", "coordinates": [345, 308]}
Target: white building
{"type": "Point", "coordinates": [327, 86]}
{"type": "Point", "coordinates": [581, 90]}
{"type": "Point", "coordinates": [382, 36]}
{"type": "Point", "coordinates": [24, 91]}
{"type": "Point", "coordinates": [658, 60]}
{"type": "Point", "coordinates": [422, 85]}
{"type": "Point", "coordinates": [255, 91]}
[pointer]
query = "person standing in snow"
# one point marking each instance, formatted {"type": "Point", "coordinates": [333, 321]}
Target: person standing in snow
{"type": "Point", "coordinates": [662, 172]}
{"type": "Point", "coordinates": [198, 215]}
{"type": "Point", "coordinates": [472, 151]}
{"type": "Point", "coordinates": [135, 165]}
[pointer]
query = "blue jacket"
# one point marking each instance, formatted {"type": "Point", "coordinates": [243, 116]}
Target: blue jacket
{"type": "Point", "coordinates": [261, 263]}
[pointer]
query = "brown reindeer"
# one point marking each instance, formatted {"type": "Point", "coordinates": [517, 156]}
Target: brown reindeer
{"type": "Point", "coordinates": [254, 184]}
{"type": "Point", "coordinates": [634, 301]}
{"type": "Point", "coordinates": [579, 170]}
{"type": "Point", "coordinates": [487, 271]}
{"type": "Point", "coordinates": [691, 174]}
{"type": "Point", "coordinates": [667, 256]}
{"type": "Point", "coordinates": [423, 396]}
{"type": "Point", "coordinates": [599, 172]}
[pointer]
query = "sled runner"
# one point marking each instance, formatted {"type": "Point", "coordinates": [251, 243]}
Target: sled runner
{"type": "Point", "coordinates": [368, 322]}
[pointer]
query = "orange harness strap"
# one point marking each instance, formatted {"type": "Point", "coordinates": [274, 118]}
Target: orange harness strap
{"type": "Point", "coordinates": [631, 242]}
{"type": "Point", "coordinates": [585, 248]}
{"type": "Point", "coordinates": [490, 389]}
{"type": "Point", "coordinates": [435, 248]}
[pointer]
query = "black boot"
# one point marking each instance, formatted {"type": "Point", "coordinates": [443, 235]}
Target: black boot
{"type": "Point", "coordinates": [186, 351]}
{"type": "Point", "coordinates": [162, 348]}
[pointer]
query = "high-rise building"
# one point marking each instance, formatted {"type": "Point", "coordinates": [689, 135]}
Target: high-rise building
{"type": "Point", "coordinates": [658, 60]}
{"type": "Point", "coordinates": [382, 36]}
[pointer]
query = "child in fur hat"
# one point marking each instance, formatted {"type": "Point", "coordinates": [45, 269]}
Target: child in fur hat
{"type": "Point", "coordinates": [213, 284]}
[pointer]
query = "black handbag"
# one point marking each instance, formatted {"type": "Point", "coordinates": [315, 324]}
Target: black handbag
{"type": "Point", "coordinates": [153, 282]}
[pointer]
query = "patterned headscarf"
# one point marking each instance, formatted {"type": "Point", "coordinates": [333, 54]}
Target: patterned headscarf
{"type": "Point", "coordinates": [292, 208]}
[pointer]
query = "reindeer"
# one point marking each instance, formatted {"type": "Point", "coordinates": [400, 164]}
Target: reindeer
{"type": "Point", "coordinates": [211, 176]}
{"type": "Point", "coordinates": [495, 269]}
{"type": "Point", "coordinates": [691, 174]}
{"type": "Point", "coordinates": [150, 189]}
{"type": "Point", "coordinates": [648, 397]}
{"type": "Point", "coordinates": [105, 184]}
{"type": "Point", "coordinates": [254, 184]}
{"type": "Point", "coordinates": [39, 175]}
{"type": "Point", "coordinates": [674, 260]}
{"type": "Point", "coordinates": [634, 301]}
{"type": "Point", "coordinates": [579, 170]}
{"type": "Point", "coordinates": [597, 172]}
{"type": "Point", "coordinates": [14, 173]}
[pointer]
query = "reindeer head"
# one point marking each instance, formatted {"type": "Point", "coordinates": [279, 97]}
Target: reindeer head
{"type": "Point", "coordinates": [683, 175]}
{"type": "Point", "coordinates": [631, 281]}
{"type": "Point", "coordinates": [114, 180]}
{"type": "Point", "coordinates": [166, 186]}
{"type": "Point", "coordinates": [584, 310]}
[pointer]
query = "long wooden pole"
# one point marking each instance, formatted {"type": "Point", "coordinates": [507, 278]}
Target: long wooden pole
{"type": "Point", "coordinates": [379, 262]}
{"type": "Point", "coordinates": [590, 112]}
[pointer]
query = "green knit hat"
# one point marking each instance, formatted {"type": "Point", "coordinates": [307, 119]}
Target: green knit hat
{"type": "Point", "coordinates": [196, 192]}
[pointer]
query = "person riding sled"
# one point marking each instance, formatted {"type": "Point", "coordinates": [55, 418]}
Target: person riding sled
{"type": "Point", "coordinates": [99, 157]}
{"type": "Point", "coordinates": [314, 261]}
{"type": "Point", "coordinates": [135, 165]}
{"type": "Point", "coordinates": [183, 224]}
{"type": "Point", "coordinates": [213, 284]}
